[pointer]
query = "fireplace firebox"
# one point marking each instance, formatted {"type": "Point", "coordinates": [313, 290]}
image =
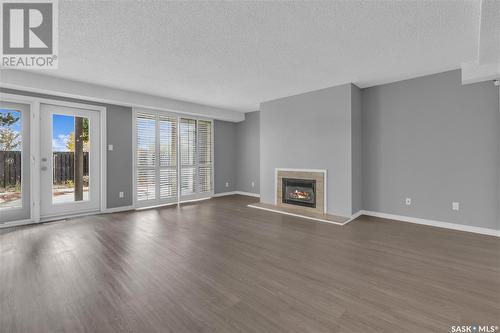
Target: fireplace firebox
{"type": "Point", "coordinates": [301, 192]}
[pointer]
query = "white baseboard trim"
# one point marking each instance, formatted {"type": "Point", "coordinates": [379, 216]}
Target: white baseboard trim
{"type": "Point", "coordinates": [118, 209]}
{"type": "Point", "coordinates": [297, 215]}
{"type": "Point", "coordinates": [248, 194]}
{"type": "Point", "coordinates": [433, 223]}
{"type": "Point", "coordinates": [355, 216]}
{"type": "Point", "coordinates": [223, 194]}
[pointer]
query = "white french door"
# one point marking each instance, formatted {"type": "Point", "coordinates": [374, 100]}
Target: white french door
{"type": "Point", "coordinates": [173, 158]}
{"type": "Point", "coordinates": [69, 160]}
{"type": "Point", "coordinates": [15, 163]}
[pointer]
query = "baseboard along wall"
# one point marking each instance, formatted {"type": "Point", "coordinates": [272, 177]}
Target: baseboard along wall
{"type": "Point", "coordinates": [250, 194]}
{"type": "Point", "coordinates": [432, 223]}
{"type": "Point", "coordinates": [402, 218]}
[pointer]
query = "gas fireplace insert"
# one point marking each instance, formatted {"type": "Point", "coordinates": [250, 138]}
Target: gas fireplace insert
{"type": "Point", "coordinates": [301, 192]}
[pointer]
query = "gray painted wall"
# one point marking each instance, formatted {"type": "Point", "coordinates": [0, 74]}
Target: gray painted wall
{"type": "Point", "coordinates": [436, 141]}
{"type": "Point", "coordinates": [248, 153]}
{"type": "Point", "coordinates": [224, 156]}
{"type": "Point", "coordinates": [119, 134]}
{"type": "Point", "coordinates": [119, 167]}
{"type": "Point", "coordinates": [356, 149]}
{"type": "Point", "coordinates": [237, 154]}
{"type": "Point", "coordinates": [310, 130]}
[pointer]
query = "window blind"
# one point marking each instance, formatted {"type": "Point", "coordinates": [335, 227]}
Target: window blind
{"type": "Point", "coordinates": [146, 156]}
{"type": "Point", "coordinates": [187, 143]}
{"type": "Point", "coordinates": [205, 156]}
{"type": "Point", "coordinates": [174, 158]}
{"type": "Point", "coordinates": [168, 156]}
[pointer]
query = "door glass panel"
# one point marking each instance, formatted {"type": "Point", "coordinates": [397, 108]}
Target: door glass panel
{"type": "Point", "coordinates": [187, 142]}
{"type": "Point", "coordinates": [205, 178]}
{"type": "Point", "coordinates": [70, 158]}
{"type": "Point", "coordinates": [168, 183]}
{"type": "Point", "coordinates": [146, 156]}
{"type": "Point", "coordinates": [168, 156]}
{"type": "Point", "coordinates": [188, 180]}
{"type": "Point", "coordinates": [146, 184]}
{"type": "Point", "coordinates": [10, 159]}
{"type": "Point", "coordinates": [205, 156]}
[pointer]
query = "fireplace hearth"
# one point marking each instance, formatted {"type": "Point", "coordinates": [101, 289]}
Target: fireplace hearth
{"type": "Point", "coordinates": [301, 192]}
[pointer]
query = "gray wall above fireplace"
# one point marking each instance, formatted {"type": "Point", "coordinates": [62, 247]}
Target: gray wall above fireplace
{"type": "Point", "coordinates": [309, 131]}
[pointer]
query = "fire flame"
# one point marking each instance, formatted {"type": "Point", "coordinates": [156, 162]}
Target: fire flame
{"type": "Point", "coordinates": [299, 195]}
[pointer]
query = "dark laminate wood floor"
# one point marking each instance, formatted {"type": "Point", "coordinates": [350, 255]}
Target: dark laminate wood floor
{"type": "Point", "coordinates": [219, 266]}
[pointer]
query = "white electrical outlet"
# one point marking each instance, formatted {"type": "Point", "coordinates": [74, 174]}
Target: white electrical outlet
{"type": "Point", "coordinates": [408, 201]}
{"type": "Point", "coordinates": [120, 194]}
{"type": "Point", "coordinates": [253, 184]}
{"type": "Point", "coordinates": [227, 184]}
{"type": "Point", "coordinates": [455, 205]}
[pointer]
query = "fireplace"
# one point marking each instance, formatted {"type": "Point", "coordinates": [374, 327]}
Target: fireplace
{"type": "Point", "coordinates": [301, 192]}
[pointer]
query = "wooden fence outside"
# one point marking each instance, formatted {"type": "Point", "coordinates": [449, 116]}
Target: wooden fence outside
{"type": "Point", "coordinates": [10, 168]}
{"type": "Point", "coordinates": [63, 167]}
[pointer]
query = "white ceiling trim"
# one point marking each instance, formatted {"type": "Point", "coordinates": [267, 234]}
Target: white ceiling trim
{"type": "Point", "coordinates": [33, 82]}
{"type": "Point", "coordinates": [402, 77]}
{"type": "Point", "coordinates": [474, 72]}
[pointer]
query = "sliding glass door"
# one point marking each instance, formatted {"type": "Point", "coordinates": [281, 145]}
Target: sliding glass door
{"type": "Point", "coordinates": [173, 158]}
{"type": "Point", "coordinates": [196, 158]}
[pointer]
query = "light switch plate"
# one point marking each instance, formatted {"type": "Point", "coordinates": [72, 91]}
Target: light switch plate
{"type": "Point", "coordinates": [110, 147]}
{"type": "Point", "coordinates": [455, 205]}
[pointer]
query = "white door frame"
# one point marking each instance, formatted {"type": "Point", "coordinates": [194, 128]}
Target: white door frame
{"type": "Point", "coordinates": [48, 208]}
{"type": "Point", "coordinates": [34, 103]}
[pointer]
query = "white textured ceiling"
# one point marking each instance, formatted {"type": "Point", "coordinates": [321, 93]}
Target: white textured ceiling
{"type": "Point", "coordinates": [237, 54]}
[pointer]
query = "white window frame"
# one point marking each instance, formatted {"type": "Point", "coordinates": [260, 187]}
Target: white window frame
{"type": "Point", "coordinates": [157, 201]}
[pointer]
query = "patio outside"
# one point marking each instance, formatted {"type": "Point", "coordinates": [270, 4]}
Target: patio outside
{"type": "Point", "coordinates": [70, 159]}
